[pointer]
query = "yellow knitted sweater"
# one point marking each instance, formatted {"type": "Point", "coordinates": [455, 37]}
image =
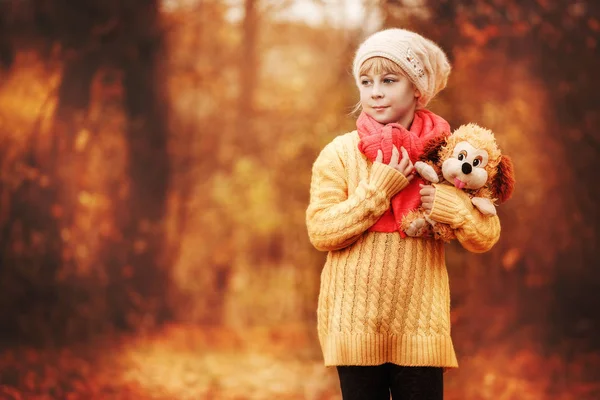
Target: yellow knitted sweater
{"type": "Point", "coordinates": [383, 298]}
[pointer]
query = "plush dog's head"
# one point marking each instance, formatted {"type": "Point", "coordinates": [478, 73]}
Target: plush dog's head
{"type": "Point", "coordinates": [470, 159]}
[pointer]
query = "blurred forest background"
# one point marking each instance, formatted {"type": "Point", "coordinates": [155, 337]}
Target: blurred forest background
{"type": "Point", "coordinates": [155, 161]}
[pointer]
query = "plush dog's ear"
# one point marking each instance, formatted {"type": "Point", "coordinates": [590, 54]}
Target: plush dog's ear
{"type": "Point", "coordinates": [504, 181]}
{"type": "Point", "coordinates": [431, 149]}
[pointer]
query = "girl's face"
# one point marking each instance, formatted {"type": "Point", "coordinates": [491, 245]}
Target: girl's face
{"type": "Point", "coordinates": [387, 95]}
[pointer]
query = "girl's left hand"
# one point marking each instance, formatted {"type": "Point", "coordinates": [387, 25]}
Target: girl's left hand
{"type": "Point", "coordinates": [427, 195]}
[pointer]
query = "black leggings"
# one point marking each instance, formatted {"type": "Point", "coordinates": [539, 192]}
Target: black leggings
{"type": "Point", "coordinates": [404, 383]}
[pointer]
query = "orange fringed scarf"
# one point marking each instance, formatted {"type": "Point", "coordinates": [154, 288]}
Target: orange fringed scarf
{"type": "Point", "coordinates": [375, 136]}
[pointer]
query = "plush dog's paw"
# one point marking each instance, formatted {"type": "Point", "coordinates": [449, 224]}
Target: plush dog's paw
{"type": "Point", "coordinates": [484, 205]}
{"type": "Point", "coordinates": [417, 228]}
{"type": "Point", "coordinates": [426, 171]}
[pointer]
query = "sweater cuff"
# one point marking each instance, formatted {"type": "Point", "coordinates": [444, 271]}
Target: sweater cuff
{"type": "Point", "coordinates": [446, 205]}
{"type": "Point", "coordinates": [387, 179]}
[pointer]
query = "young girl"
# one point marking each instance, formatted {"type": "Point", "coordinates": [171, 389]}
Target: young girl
{"type": "Point", "coordinates": [384, 304]}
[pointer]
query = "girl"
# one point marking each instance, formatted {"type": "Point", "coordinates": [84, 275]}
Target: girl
{"type": "Point", "coordinates": [384, 303]}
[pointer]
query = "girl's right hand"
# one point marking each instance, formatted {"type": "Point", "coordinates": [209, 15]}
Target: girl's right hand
{"type": "Point", "coordinates": [404, 165]}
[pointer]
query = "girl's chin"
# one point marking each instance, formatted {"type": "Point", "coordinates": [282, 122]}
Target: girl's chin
{"type": "Point", "coordinates": [384, 116]}
{"type": "Point", "coordinates": [382, 119]}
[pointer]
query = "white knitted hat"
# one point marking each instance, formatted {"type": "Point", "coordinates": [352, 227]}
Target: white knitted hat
{"type": "Point", "coordinates": [423, 61]}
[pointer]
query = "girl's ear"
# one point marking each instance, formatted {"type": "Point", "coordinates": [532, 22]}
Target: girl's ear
{"type": "Point", "coordinates": [431, 149]}
{"type": "Point", "coordinates": [417, 93]}
{"type": "Point", "coordinates": [504, 181]}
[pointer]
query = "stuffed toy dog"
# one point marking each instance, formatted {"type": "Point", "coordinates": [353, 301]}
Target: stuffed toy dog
{"type": "Point", "coordinates": [470, 160]}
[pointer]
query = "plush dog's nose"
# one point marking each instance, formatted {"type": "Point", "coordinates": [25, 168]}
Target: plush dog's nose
{"type": "Point", "coordinates": [466, 168]}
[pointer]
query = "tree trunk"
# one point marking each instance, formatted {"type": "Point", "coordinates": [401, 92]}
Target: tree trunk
{"type": "Point", "coordinates": [149, 168]}
{"type": "Point", "coordinates": [248, 75]}
{"type": "Point", "coordinates": [28, 265]}
{"type": "Point", "coordinates": [6, 48]}
{"type": "Point", "coordinates": [31, 240]}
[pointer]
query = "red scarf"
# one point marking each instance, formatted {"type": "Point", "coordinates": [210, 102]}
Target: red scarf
{"type": "Point", "coordinates": [375, 136]}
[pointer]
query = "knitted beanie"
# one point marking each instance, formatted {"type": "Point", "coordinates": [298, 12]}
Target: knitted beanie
{"type": "Point", "coordinates": [423, 61]}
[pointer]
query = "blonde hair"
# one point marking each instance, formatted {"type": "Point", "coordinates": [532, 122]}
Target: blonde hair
{"type": "Point", "coordinates": [377, 65]}
{"type": "Point", "coordinates": [380, 65]}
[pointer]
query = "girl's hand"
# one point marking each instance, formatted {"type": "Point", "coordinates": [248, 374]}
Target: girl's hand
{"type": "Point", "coordinates": [404, 166]}
{"type": "Point", "coordinates": [427, 195]}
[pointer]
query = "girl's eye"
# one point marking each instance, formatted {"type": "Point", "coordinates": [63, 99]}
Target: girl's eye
{"type": "Point", "coordinates": [462, 155]}
{"type": "Point", "coordinates": [388, 80]}
{"type": "Point", "coordinates": [364, 82]}
{"type": "Point", "coordinates": [477, 161]}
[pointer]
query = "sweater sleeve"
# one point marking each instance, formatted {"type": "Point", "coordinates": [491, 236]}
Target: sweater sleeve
{"type": "Point", "coordinates": [335, 219]}
{"type": "Point", "coordinates": [475, 231]}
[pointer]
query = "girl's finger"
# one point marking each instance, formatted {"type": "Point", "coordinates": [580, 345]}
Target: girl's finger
{"type": "Point", "coordinates": [395, 156]}
{"type": "Point", "coordinates": [379, 157]}
{"type": "Point", "coordinates": [404, 153]}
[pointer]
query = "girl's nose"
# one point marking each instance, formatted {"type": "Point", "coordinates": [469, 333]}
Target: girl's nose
{"type": "Point", "coordinates": [376, 92]}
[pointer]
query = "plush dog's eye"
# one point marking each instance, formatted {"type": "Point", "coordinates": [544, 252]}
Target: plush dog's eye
{"type": "Point", "coordinates": [462, 155]}
{"type": "Point", "coordinates": [477, 161]}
